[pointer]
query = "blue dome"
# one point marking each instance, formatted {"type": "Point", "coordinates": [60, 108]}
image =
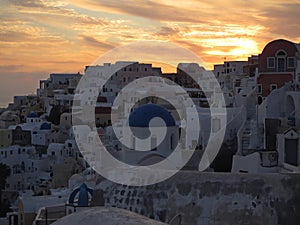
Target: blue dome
{"type": "Point", "coordinates": [32, 115]}
{"type": "Point", "coordinates": [141, 116]}
{"type": "Point", "coordinates": [83, 195]}
{"type": "Point", "coordinates": [45, 126]}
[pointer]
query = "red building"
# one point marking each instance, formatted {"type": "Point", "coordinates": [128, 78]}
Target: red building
{"type": "Point", "coordinates": [276, 66]}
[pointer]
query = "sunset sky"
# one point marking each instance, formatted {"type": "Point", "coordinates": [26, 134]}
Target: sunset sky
{"type": "Point", "coordinates": [38, 37]}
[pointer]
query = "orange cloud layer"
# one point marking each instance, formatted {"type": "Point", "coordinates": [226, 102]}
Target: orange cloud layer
{"type": "Point", "coordinates": [43, 36]}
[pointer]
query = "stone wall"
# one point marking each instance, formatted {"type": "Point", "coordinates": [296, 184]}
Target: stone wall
{"type": "Point", "coordinates": [212, 198]}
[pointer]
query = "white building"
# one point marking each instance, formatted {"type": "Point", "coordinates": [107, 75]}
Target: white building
{"type": "Point", "coordinates": [229, 72]}
{"type": "Point", "coordinates": [28, 170]}
{"type": "Point", "coordinates": [268, 141]}
{"type": "Point", "coordinates": [122, 74]}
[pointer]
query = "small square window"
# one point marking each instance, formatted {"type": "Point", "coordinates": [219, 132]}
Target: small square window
{"type": "Point", "coordinates": [271, 62]}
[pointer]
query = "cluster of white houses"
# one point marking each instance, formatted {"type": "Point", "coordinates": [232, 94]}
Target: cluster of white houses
{"type": "Point", "coordinates": [262, 99]}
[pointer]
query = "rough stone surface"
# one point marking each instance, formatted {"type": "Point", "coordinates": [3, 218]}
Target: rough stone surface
{"type": "Point", "coordinates": [213, 198]}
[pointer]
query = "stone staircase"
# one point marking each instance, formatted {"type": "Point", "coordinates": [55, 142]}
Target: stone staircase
{"type": "Point", "coordinates": [246, 137]}
{"type": "Point", "coordinates": [249, 129]}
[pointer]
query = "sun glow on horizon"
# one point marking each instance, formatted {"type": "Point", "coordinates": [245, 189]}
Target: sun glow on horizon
{"type": "Point", "coordinates": [44, 36]}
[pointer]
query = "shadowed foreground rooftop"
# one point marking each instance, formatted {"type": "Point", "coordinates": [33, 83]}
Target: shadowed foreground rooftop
{"type": "Point", "coordinates": [106, 216]}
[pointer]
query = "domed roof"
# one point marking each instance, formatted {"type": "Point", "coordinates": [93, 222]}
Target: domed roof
{"type": "Point", "coordinates": [45, 126]}
{"type": "Point", "coordinates": [83, 195]}
{"type": "Point", "coordinates": [141, 116]}
{"type": "Point", "coordinates": [33, 115]}
{"type": "Point", "coordinates": [106, 216]}
{"type": "Point", "coordinates": [273, 46]}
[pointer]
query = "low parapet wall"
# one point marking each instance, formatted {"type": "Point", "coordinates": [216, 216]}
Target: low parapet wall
{"type": "Point", "coordinates": [212, 198]}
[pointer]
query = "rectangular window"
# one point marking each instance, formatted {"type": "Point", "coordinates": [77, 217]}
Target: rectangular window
{"type": "Point", "coordinates": [291, 62]}
{"type": "Point", "coordinates": [271, 62]}
{"type": "Point", "coordinates": [259, 88]}
{"type": "Point", "coordinates": [281, 64]}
